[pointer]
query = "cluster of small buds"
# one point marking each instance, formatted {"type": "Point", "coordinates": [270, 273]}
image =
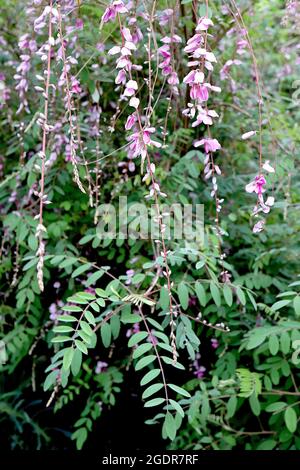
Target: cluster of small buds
{"type": "Point", "coordinates": [40, 231]}
{"type": "Point", "coordinates": [217, 326]}
{"type": "Point", "coordinates": [42, 196]}
{"type": "Point", "coordinates": [257, 186]}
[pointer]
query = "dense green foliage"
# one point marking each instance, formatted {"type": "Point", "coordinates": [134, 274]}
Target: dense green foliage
{"type": "Point", "coordinates": [236, 382]}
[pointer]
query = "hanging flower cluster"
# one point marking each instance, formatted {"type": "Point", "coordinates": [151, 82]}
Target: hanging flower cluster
{"type": "Point", "coordinates": [166, 51]}
{"type": "Point", "coordinates": [201, 60]}
{"type": "Point", "coordinates": [141, 137]}
{"type": "Point", "coordinates": [257, 186]}
{"type": "Point", "coordinates": [47, 18]}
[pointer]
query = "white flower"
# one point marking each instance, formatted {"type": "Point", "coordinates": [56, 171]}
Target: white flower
{"type": "Point", "coordinates": [268, 167]}
{"type": "Point", "coordinates": [270, 201]}
{"type": "Point", "coordinates": [134, 102]}
{"type": "Point", "coordinates": [248, 134]}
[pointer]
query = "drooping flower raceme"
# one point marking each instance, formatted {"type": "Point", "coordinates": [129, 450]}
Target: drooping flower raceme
{"type": "Point", "coordinates": [257, 186]}
{"type": "Point", "coordinates": [201, 62]}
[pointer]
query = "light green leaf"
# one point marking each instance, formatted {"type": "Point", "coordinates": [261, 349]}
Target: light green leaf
{"type": "Point", "coordinates": [254, 404]}
{"type": "Point", "coordinates": [240, 295]}
{"type": "Point", "coordinates": [61, 339]}
{"type": "Point", "coordinates": [142, 349]}
{"type": "Point", "coordinates": [81, 346]}
{"type": "Point", "coordinates": [179, 390]}
{"type": "Point", "coordinates": [151, 375]}
{"type": "Point", "coordinates": [277, 406]}
{"type": "Point", "coordinates": [62, 329]}
{"type": "Point", "coordinates": [94, 277]}
{"type": "Point", "coordinates": [154, 402]}
{"type": "Point", "coordinates": [201, 294]}
{"type": "Point", "coordinates": [273, 344]}
{"type": "Point", "coordinates": [290, 418]}
{"type": "Point", "coordinates": [285, 342]}
{"type": "Point", "coordinates": [177, 407]}
{"type": "Point", "coordinates": [145, 361]}
{"type": "Point", "coordinates": [155, 324]}
{"type": "Point", "coordinates": [183, 295]}
{"type": "Point", "coordinates": [136, 338]}
{"type": "Point", "coordinates": [231, 406]}
{"type": "Point", "coordinates": [90, 317]}
{"type": "Point", "coordinates": [76, 362]}
{"type": "Point", "coordinates": [164, 298]}
{"type": "Point", "coordinates": [170, 426]}
{"type": "Point", "coordinates": [68, 356]}
{"type": "Point", "coordinates": [215, 293]}
{"type": "Point", "coordinates": [105, 332]}
{"type": "Point", "coordinates": [170, 362]}
{"type": "Point", "coordinates": [81, 270]}
{"type": "Point", "coordinates": [280, 304]}
{"type": "Point", "coordinates": [71, 308]}
{"type": "Point", "coordinates": [86, 327]}
{"type": "Point", "coordinates": [151, 390]}
{"type": "Point", "coordinates": [227, 292]}
{"type": "Point", "coordinates": [296, 304]}
{"type": "Point", "coordinates": [50, 379]}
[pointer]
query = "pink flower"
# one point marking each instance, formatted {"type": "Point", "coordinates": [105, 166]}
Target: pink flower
{"type": "Point", "coordinates": [205, 116]}
{"type": "Point", "coordinates": [173, 79]}
{"type": "Point", "coordinates": [210, 145]}
{"type": "Point", "coordinates": [193, 43]}
{"type": "Point", "coordinates": [129, 273]}
{"type": "Point", "coordinates": [199, 92]}
{"type": "Point", "coordinates": [267, 167]}
{"type": "Point", "coordinates": [135, 329]}
{"type": "Point", "coordinates": [75, 86]}
{"type": "Point", "coordinates": [256, 185]}
{"type": "Point", "coordinates": [121, 77]}
{"type": "Point", "coordinates": [100, 367]}
{"type": "Point", "coordinates": [130, 88]}
{"type": "Point", "coordinates": [131, 120]}
{"type": "Point", "coordinates": [195, 76]}
{"type": "Point", "coordinates": [203, 24]}
{"type": "Point", "coordinates": [165, 16]}
{"type": "Point", "coordinates": [258, 227]}
{"type": "Point", "coordinates": [112, 10]}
